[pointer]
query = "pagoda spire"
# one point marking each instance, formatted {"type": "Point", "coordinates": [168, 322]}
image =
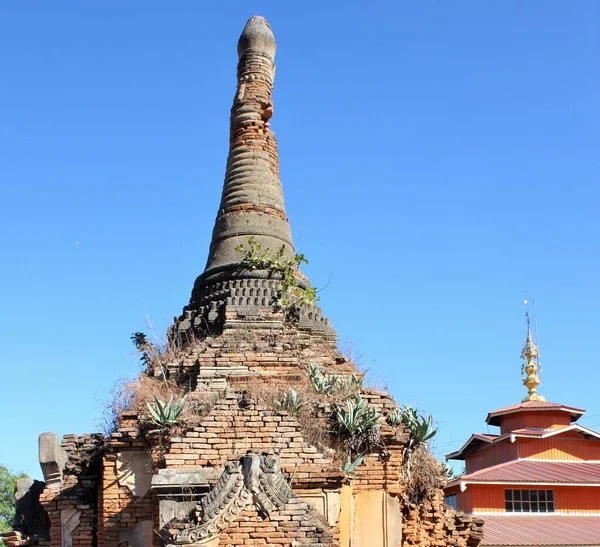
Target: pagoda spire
{"type": "Point", "coordinates": [229, 294]}
{"type": "Point", "coordinates": [252, 199]}
{"type": "Point", "coordinates": [531, 367]}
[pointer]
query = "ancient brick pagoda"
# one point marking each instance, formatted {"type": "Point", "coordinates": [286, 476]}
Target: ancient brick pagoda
{"type": "Point", "coordinates": [256, 457]}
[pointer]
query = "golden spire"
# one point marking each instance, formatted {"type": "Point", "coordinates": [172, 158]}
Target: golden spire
{"type": "Point", "coordinates": [530, 354]}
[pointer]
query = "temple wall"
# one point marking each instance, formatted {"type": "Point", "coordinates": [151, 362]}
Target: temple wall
{"type": "Point", "coordinates": [281, 354]}
{"type": "Point", "coordinates": [71, 500]}
{"type": "Point", "coordinates": [436, 525]}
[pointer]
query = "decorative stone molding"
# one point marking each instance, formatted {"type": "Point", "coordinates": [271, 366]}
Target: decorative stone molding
{"type": "Point", "coordinates": [179, 490]}
{"type": "Point", "coordinates": [52, 460]}
{"type": "Point", "coordinates": [253, 479]}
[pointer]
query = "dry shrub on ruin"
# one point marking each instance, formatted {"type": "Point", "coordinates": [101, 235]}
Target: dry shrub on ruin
{"type": "Point", "coordinates": [134, 395]}
{"type": "Point", "coordinates": [426, 478]}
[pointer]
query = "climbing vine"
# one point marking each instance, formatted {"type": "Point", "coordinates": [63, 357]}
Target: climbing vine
{"type": "Point", "coordinates": [257, 257]}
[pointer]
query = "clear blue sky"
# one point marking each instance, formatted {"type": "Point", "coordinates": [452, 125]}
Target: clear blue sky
{"type": "Point", "coordinates": [439, 159]}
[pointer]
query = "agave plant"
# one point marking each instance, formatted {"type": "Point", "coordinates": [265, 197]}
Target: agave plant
{"type": "Point", "coordinates": [420, 427]}
{"type": "Point", "coordinates": [357, 417]}
{"type": "Point", "coordinates": [420, 430]}
{"type": "Point", "coordinates": [291, 402]}
{"type": "Point", "coordinates": [348, 384]}
{"type": "Point", "coordinates": [322, 384]}
{"type": "Point", "coordinates": [163, 414]}
{"type": "Point", "coordinates": [349, 466]}
{"type": "Point", "coordinates": [447, 471]}
{"type": "Point", "coordinates": [394, 418]}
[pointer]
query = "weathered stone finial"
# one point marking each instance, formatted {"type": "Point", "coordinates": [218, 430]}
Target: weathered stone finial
{"type": "Point", "coordinates": [257, 36]}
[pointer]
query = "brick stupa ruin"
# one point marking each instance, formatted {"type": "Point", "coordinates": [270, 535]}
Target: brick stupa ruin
{"type": "Point", "coordinates": [264, 450]}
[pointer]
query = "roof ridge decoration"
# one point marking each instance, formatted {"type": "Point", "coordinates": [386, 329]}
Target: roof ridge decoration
{"type": "Point", "coordinates": [531, 367]}
{"type": "Point", "coordinates": [251, 209]}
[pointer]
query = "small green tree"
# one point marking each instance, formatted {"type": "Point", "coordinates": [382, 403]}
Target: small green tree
{"type": "Point", "coordinates": [7, 498]}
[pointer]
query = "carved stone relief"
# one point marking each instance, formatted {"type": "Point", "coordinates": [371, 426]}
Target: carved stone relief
{"type": "Point", "coordinates": [251, 479]}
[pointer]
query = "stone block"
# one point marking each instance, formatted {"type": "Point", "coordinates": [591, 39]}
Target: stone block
{"type": "Point", "coordinates": [69, 520]}
{"type": "Point", "coordinates": [134, 471]}
{"type": "Point", "coordinates": [52, 459]}
{"type": "Point", "coordinates": [139, 536]}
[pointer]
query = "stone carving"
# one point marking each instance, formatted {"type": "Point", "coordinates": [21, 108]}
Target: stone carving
{"type": "Point", "coordinates": [251, 479]}
{"type": "Point", "coordinates": [52, 459]}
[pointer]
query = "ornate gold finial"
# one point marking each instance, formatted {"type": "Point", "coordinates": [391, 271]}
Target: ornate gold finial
{"type": "Point", "coordinates": [530, 354]}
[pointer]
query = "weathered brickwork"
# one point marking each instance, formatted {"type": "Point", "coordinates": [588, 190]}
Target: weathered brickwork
{"type": "Point", "coordinates": [237, 468]}
{"type": "Point", "coordinates": [436, 525]}
{"type": "Point", "coordinates": [283, 353]}
{"type": "Point", "coordinates": [72, 508]}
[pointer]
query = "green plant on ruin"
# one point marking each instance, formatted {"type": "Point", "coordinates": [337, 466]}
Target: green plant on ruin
{"type": "Point", "coordinates": [356, 417]}
{"type": "Point", "coordinates": [348, 385]}
{"type": "Point", "coordinates": [447, 470]}
{"type": "Point", "coordinates": [394, 418]}
{"type": "Point", "coordinates": [257, 257]}
{"type": "Point", "coordinates": [343, 386]}
{"type": "Point", "coordinates": [322, 384]}
{"type": "Point", "coordinates": [291, 402]}
{"type": "Point", "coordinates": [419, 426]}
{"type": "Point", "coordinates": [349, 465]}
{"type": "Point", "coordinates": [165, 414]}
{"type": "Point", "coordinates": [155, 353]}
{"type": "Point", "coordinates": [357, 425]}
{"type": "Point", "coordinates": [420, 431]}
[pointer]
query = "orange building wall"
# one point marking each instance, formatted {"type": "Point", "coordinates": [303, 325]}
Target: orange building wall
{"type": "Point", "coordinates": [543, 420]}
{"type": "Point", "coordinates": [491, 455]}
{"type": "Point", "coordinates": [569, 446]}
{"type": "Point", "coordinates": [563, 447]}
{"type": "Point", "coordinates": [485, 498]}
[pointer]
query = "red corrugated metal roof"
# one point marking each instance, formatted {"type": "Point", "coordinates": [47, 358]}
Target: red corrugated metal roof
{"type": "Point", "coordinates": [472, 445]}
{"type": "Point", "coordinates": [536, 432]}
{"type": "Point", "coordinates": [531, 471]}
{"type": "Point", "coordinates": [547, 530]}
{"type": "Point", "coordinates": [533, 405]}
{"type": "Point", "coordinates": [529, 404]}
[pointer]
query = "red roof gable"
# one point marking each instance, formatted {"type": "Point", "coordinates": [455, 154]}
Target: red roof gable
{"type": "Point", "coordinates": [548, 530]}
{"type": "Point", "coordinates": [493, 417]}
{"type": "Point", "coordinates": [475, 442]}
{"type": "Point", "coordinates": [535, 472]}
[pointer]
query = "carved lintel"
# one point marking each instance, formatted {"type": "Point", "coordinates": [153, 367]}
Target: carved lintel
{"type": "Point", "coordinates": [253, 478]}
